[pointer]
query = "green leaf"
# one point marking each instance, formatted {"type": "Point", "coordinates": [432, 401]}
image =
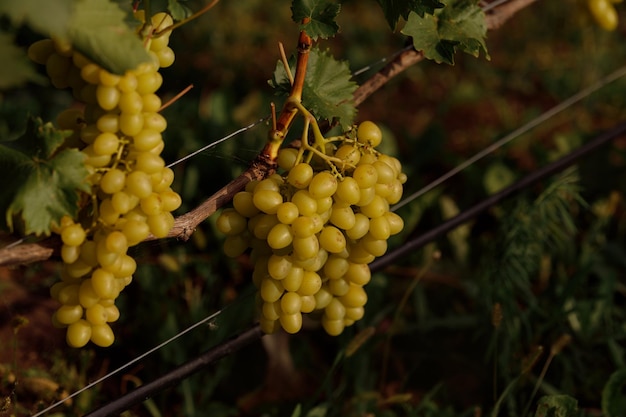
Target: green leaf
{"type": "Point", "coordinates": [322, 14]}
{"type": "Point", "coordinates": [46, 17]}
{"type": "Point", "coordinates": [41, 181]}
{"type": "Point", "coordinates": [613, 399]}
{"type": "Point", "coordinates": [99, 30]}
{"type": "Point", "coordinates": [178, 10]}
{"type": "Point", "coordinates": [328, 87]}
{"type": "Point", "coordinates": [16, 68]}
{"type": "Point", "coordinates": [459, 25]}
{"type": "Point", "coordinates": [394, 9]}
{"type": "Point", "coordinates": [557, 406]}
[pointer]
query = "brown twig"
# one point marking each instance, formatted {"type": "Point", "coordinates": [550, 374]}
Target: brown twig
{"type": "Point", "coordinates": [186, 223]}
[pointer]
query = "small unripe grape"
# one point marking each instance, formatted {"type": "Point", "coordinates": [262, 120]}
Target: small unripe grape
{"type": "Point", "coordinates": [243, 203]}
{"type": "Point", "coordinates": [234, 246]}
{"type": "Point", "coordinates": [73, 235]}
{"type": "Point", "coordinates": [290, 303]}
{"type": "Point", "coordinates": [139, 184]}
{"type": "Point", "coordinates": [323, 184]}
{"type": "Point", "coordinates": [293, 280]}
{"type": "Point", "coordinates": [292, 323]}
{"type": "Point", "coordinates": [271, 290]}
{"type": "Point", "coordinates": [380, 228]}
{"type": "Point", "coordinates": [116, 242]}
{"type": "Point", "coordinates": [333, 327]}
{"type": "Point", "coordinates": [87, 295]}
{"type": "Point", "coordinates": [160, 224]}
{"type": "Point", "coordinates": [113, 181]}
{"type": "Point", "coordinates": [338, 287]}
{"type": "Point", "coordinates": [311, 283]}
{"type": "Point", "coordinates": [154, 121]}
{"type": "Point", "coordinates": [287, 212]}
{"type": "Point", "coordinates": [131, 123]}
{"type": "Point", "coordinates": [70, 254]}
{"type": "Point", "coordinates": [280, 236]}
{"type": "Point", "coordinates": [322, 298]}
{"type": "Point", "coordinates": [271, 311]}
{"type": "Point", "coordinates": [336, 267]}
{"type": "Point", "coordinates": [348, 191]}
{"type": "Point", "coordinates": [267, 201]}
{"type": "Point", "coordinates": [343, 217]}
{"type": "Point", "coordinates": [358, 274]}
{"type": "Point", "coordinates": [332, 239]}
{"type": "Point", "coordinates": [305, 247]}
{"type": "Point", "coordinates": [102, 335]}
{"type": "Point", "coordinates": [335, 310]}
{"type": "Point", "coordinates": [166, 57]}
{"type": "Point", "coordinates": [108, 97]}
{"type": "Point", "coordinates": [230, 222]}
{"type": "Point", "coordinates": [78, 333]}
{"type": "Point", "coordinates": [106, 144]}
{"type": "Point", "coordinates": [279, 266]}
{"type": "Point", "coordinates": [355, 297]}
{"type": "Point", "coordinates": [96, 314]}
{"type": "Point", "coordinates": [300, 176]}
{"type": "Point", "coordinates": [287, 158]}
{"type": "Point", "coordinates": [349, 154]}
{"type": "Point", "coordinates": [68, 314]}
{"type": "Point", "coordinates": [369, 133]}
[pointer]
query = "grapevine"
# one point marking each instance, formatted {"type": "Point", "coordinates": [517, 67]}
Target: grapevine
{"type": "Point", "coordinates": [119, 130]}
{"type": "Point", "coordinates": [315, 225]}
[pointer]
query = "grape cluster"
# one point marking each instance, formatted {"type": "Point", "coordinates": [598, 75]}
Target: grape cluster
{"type": "Point", "coordinates": [314, 229]}
{"type": "Point", "coordinates": [118, 128]}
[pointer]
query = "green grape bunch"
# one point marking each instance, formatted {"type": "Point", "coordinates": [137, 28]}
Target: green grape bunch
{"type": "Point", "coordinates": [314, 228]}
{"type": "Point", "coordinates": [116, 124]}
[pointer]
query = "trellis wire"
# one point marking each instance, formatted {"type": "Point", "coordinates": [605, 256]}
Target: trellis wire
{"type": "Point", "coordinates": [615, 75]}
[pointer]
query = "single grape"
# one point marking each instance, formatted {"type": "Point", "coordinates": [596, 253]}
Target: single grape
{"type": "Point", "coordinates": [292, 323]}
{"type": "Point", "coordinates": [311, 283]}
{"type": "Point", "coordinates": [102, 335]}
{"type": "Point", "coordinates": [369, 133]}
{"type": "Point", "coordinates": [73, 235]}
{"type": "Point", "coordinates": [280, 236]}
{"type": "Point", "coordinates": [355, 297]}
{"type": "Point", "coordinates": [333, 327]}
{"type": "Point", "coordinates": [68, 314]}
{"type": "Point", "coordinates": [358, 274]}
{"type": "Point", "coordinates": [323, 184]}
{"type": "Point", "coordinates": [290, 303]}
{"type": "Point", "coordinates": [332, 239]}
{"type": "Point", "coordinates": [78, 333]}
{"type": "Point", "coordinates": [293, 280]}
{"type": "Point", "coordinates": [300, 176]}
{"type": "Point", "coordinates": [305, 202]}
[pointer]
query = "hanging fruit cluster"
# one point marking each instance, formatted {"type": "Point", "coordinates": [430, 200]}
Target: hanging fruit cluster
{"type": "Point", "coordinates": [314, 228]}
{"type": "Point", "coordinates": [117, 126]}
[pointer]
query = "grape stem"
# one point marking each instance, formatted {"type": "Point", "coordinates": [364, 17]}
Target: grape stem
{"type": "Point", "coordinates": [293, 103]}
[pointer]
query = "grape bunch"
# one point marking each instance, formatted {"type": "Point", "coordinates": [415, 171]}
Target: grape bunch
{"type": "Point", "coordinates": [314, 229]}
{"type": "Point", "coordinates": [117, 126]}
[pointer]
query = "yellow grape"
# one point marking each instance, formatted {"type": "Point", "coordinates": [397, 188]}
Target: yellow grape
{"type": "Point", "coordinates": [102, 335]}
{"type": "Point", "coordinates": [78, 333]}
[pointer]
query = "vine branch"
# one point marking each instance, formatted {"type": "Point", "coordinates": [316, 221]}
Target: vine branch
{"type": "Point", "coordinates": [262, 166]}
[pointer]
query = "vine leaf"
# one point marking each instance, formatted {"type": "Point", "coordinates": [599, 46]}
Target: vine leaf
{"type": "Point", "coordinates": [328, 87]}
{"type": "Point", "coordinates": [16, 68]}
{"type": "Point", "coordinates": [395, 9]}
{"type": "Point", "coordinates": [613, 401]}
{"type": "Point", "coordinates": [178, 10]}
{"type": "Point", "coordinates": [322, 14]}
{"type": "Point", "coordinates": [46, 17]}
{"type": "Point", "coordinates": [44, 179]}
{"type": "Point", "coordinates": [557, 406]}
{"type": "Point", "coordinates": [98, 29]}
{"type": "Point", "coordinates": [459, 25]}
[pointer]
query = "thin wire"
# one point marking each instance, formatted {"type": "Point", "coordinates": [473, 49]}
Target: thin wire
{"type": "Point", "coordinates": [382, 60]}
{"type": "Point", "coordinates": [494, 4]}
{"type": "Point", "coordinates": [217, 142]}
{"type": "Point", "coordinates": [516, 133]}
{"type": "Point", "coordinates": [137, 359]}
